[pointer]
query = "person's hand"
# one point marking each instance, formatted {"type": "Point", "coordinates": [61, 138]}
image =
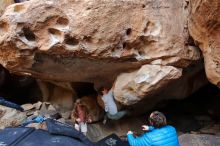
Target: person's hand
{"type": "Point", "coordinates": [145, 128]}
{"type": "Point", "coordinates": [104, 91]}
{"type": "Point", "coordinates": [76, 127]}
{"type": "Point", "coordinates": [78, 120]}
{"type": "Point", "coordinates": [129, 132]}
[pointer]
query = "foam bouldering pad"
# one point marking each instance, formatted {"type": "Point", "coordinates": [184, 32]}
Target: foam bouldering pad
{"type": "Point", "coordinates": [112, 140]}
{"type": "Point", "coordinates": [57, 134]}
{"type": "Point", "coordinates": [33, 137]}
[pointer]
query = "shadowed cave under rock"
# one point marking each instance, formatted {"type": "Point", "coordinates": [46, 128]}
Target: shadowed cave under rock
{"type": "Point", "coordinates": [194, 114]}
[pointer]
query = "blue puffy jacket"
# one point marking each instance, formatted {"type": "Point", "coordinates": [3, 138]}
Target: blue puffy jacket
{"type": "Point", "coordinates": [164, 136]}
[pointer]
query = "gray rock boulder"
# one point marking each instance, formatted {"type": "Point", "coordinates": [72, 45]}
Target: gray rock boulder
{"type": "Point", "coordinates": [199, 140]}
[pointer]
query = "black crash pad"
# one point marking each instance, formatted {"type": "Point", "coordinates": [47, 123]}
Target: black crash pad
{"type": "Point", "coordinates": [32, 137]}
{"type": "Point", "coordinates": [58, 134]}
{"type": "Point", "coordinates": [112, 140]}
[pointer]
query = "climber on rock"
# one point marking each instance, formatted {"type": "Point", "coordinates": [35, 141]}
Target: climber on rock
{"type": "Point", "coordinates": [81, 117]}
{"type": "Point", "coordinates": [158, 133]}
{"type": "Point", "coordinates": [110, 106]}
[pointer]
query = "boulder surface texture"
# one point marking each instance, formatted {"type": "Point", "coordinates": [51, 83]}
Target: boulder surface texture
{"type": "Point", "coordinates": [143, 45]}
{"type": "Point", "coordinates": [204, 26]}
{"type": "Point", "coordinates": [199, 139]}
{"type": "Point", "coordinates": [4, 4]}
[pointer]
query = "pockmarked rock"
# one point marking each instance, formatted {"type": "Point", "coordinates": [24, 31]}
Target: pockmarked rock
{"type": "Point", "coordinates": [204, 27]}
{"type": "Point", "coordinates": [90, 41]}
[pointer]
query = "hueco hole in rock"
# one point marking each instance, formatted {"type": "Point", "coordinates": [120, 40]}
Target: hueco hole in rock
{"type": "Point", "coordinates": [103, 66]}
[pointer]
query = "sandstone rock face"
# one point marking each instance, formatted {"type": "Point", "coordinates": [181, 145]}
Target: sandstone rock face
{"type": "Point", "coordinates": [201, 140]}
{"type": "Point", "coordinates": [4, 4]}
{"type": "Point", "coordinates": [132, 87]}
{"type": "Point", "coordinates": [62, 98]}
{"type": "Point", "coordinates": [10, 117]}
{"type": "Point", "coordinates": [60, 40]}
{"type": "Point", "coordinates": [204, 26]}
{"type": "Point", "coordinates": [61, 94]}
{"type": "Point", "coordinates": [95, 41]}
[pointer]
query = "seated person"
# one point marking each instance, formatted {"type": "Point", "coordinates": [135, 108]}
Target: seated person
{"type": "Point", "coordinates": [159, 133]}
{"type": "Point", "coordinates": [81, 117]}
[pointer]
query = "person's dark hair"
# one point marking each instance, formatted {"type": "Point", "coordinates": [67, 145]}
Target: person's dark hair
{"type": "Point", "coordinates": [157, 119]}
